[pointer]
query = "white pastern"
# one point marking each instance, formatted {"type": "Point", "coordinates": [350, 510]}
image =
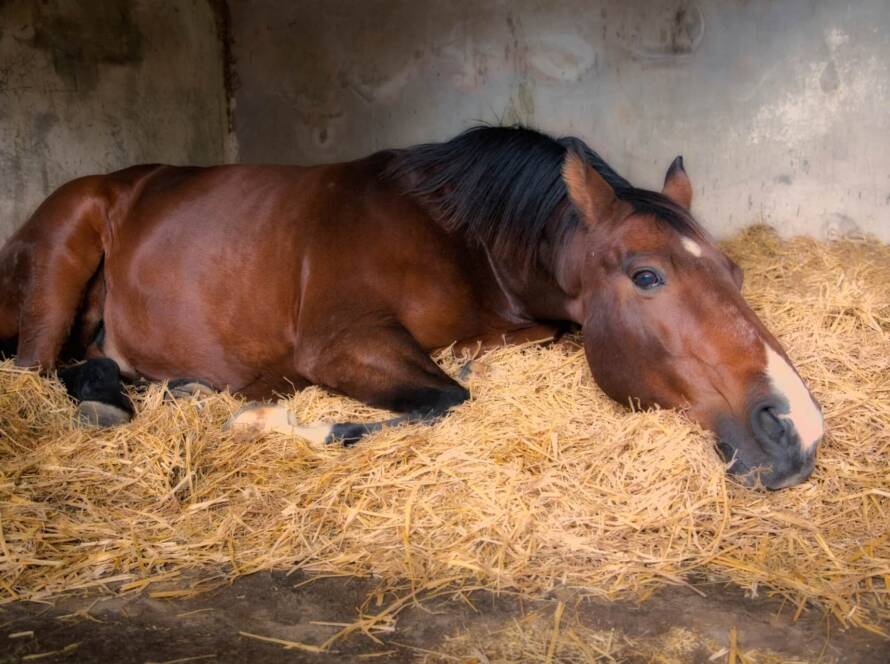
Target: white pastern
{"type": "Point", "coordinates": [691, 246]}
{"type": "Point", "coordinates": [277, 419]}
{"type": "Point", "coordinates": [803, 411]}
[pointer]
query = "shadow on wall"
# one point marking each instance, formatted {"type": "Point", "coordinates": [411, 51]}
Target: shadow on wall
{"type": "Point", "coordinates": [79, 38]}
{"type": "Point", "coordinates": [335, 80]}
{"type": "Point", "coordinates": [95, 86]}
{"type": "Point", "coordinates": [752, 93]}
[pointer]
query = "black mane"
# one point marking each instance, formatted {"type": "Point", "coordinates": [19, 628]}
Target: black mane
{"type": "Point", "coordinates": [503, 186]}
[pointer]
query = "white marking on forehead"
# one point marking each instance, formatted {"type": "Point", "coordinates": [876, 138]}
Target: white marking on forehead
{"type": "Point", "coordinates": [803, 411]}
{"type": "Point", "coordinates": [691, 246]}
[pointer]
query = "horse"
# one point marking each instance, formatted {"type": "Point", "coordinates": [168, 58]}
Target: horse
{"type": "Point", "coordinates": [264, 279]}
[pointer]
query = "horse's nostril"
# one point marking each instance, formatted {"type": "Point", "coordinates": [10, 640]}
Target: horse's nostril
{"type": "Point", "coordinates": [769, 427]}
{"type": "Point", "coordinates": [770, 422]}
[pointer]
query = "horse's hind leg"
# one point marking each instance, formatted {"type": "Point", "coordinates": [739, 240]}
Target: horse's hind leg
{"type": "Point", "coordinates": [383, 367]}
{"type": "Point", "coordinates": [45, 268]}
{"type": "Point", "coordinates": [45, 271]}
{"type": "Point", "coordinates": [9, 303]}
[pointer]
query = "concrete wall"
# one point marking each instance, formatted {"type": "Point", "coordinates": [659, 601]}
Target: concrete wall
{"type": "Point", "coordinates": [94, 86]}
{"type": "Point", "coordinates": [780, 107]}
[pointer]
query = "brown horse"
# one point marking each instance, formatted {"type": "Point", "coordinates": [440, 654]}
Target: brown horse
{"type": "Point", "coordinates": [264, 279]}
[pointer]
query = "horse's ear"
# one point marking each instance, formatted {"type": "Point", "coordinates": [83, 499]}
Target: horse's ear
{"type": "Point", "coordinates": [677, 186]}
{"type": "Point", "coordinates": [589, 192]}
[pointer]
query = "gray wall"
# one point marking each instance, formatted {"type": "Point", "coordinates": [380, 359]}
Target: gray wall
{"type": "Point", "coordinates": [94, 86]}
{"type": "Point", "coordinates": [782, 108]}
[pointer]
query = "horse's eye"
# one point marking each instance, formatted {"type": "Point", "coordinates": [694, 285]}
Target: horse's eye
{"type": "Point", "coordinates": [647, 279]}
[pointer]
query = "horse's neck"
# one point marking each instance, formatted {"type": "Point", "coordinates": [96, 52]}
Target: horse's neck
{"type": "Point", "coordinates": [532, 294]}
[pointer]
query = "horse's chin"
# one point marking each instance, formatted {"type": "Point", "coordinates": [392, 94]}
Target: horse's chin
{"type": "Point", "coordinates": [752, 466]}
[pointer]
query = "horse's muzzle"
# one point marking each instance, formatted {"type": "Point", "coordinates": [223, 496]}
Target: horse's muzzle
{"type": "Point", "coordinates": [767, 448]}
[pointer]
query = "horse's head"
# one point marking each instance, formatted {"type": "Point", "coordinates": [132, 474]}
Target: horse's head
{"type": "Point", "coordinates": [664, 323]}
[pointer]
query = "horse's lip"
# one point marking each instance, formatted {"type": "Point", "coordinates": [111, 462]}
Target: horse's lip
{"type": "Point", "coordinates": [739, 465]}
{"type": "Point", "coordinates": [794, 479]}
{"type": "Point", "coordinates": [751, 464]}
{"type": "Point", "coordinates": [764, 470]}
{"type": "Point", "coordinates": [748, 475]}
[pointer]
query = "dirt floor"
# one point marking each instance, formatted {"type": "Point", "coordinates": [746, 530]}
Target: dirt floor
{"type": "Point", "coordinates": [212, 627]}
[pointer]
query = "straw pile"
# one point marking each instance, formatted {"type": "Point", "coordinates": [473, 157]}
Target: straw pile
{"type": "Point", "coordinates": [539, 480]}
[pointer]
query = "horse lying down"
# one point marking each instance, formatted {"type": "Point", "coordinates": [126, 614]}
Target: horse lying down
{"type": "Point", "coordinates": [266, 279]}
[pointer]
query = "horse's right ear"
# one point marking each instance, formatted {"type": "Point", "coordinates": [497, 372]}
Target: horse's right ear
{"type": "Point", "coordinates": [591, 195]}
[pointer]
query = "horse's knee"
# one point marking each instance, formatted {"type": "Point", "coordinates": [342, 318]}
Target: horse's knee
{"type": "Point", "coordinates": [449, 397]}
{"type": "Point", "coordinates": [430, 401]}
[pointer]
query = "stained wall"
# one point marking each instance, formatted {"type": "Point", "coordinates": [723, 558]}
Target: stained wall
{"type": "Point", "coordinates": [781, 108]}
{"type": "Point", "coordinates": [89, 87]}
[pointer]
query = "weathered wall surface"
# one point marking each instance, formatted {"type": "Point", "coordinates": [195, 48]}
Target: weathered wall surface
{"type": "Point", "coordinates": [94, 86]}
{"type": "Point", "coordinates": [780, 107]}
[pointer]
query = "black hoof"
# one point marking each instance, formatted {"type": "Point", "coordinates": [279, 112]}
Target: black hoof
{"type": "Point", "coordinates": [100, 414]}
{"type": "Point", "coordinates": [98, 381]}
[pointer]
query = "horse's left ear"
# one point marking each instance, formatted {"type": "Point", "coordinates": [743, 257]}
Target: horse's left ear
{"type": "Point", "coordinates": [591, 195]}
{"type": "Point", "coordinates": [677, 186]}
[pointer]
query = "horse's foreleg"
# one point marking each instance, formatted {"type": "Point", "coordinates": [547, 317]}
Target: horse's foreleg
{"type": "Point", "coordinates": [383, 367]}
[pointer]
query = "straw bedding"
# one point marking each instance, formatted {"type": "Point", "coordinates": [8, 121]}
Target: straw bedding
{"type": "Point", "coordinates": [539, 480]}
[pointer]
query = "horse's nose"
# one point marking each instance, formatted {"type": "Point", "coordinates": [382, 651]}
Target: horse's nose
{"type": "Point", "coordinates": [775, 432]}
{"type": "Point", "coordinates": [801, 476]}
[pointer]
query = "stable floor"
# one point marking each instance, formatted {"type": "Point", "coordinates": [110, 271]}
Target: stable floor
{"type": "Point", "coordinates": [703, 623]}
